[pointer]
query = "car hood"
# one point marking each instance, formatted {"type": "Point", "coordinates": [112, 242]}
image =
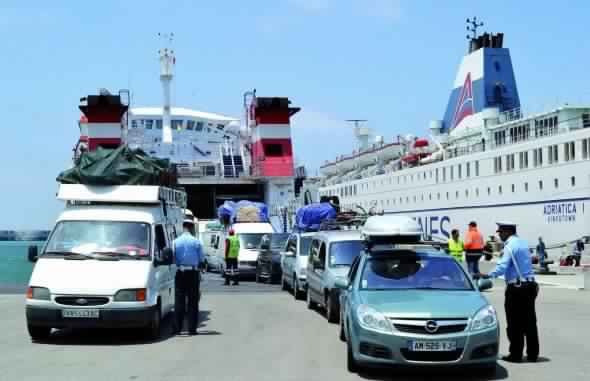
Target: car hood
{"type": "Point", "coordinates": [248, 254]}
{"type": "Point", "coordinates": [89, 276]}
{"type": "Point", "coordinates": [424, 303]}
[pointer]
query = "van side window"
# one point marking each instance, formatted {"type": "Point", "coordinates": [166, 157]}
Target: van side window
{"type": "Point", "coordinates": [292, 244]}
{"type": "Point", "coordinates": [160, 238]}
{"type": "Point", "coordinates": [313, 252]}
{"type": "Point", "coordinates": [212, 242]}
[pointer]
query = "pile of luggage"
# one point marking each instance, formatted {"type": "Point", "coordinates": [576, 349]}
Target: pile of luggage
{"type": "Point", "coordinates": [242, 211]}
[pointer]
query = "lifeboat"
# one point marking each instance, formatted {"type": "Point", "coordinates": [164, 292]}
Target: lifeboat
{"type": "Point", "coordinates": [421, 143]}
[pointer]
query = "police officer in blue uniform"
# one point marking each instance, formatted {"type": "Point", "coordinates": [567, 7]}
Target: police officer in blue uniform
{"type": "Point", "coordinates": [189, 256]}
{"type": "Point", "coordinates": [521, 292]}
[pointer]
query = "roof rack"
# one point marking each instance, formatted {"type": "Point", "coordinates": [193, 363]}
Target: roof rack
{"type": "Point", "coordinates": [344, 221]}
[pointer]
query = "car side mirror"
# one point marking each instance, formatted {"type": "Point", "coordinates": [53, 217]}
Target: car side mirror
{"type": "Point", "coordinates": [341, 283]}
{"type": "Point", "coordinates": [165, 258]}
{"type": "Point", "coordinates": [33, 253]}
{"type": "Point", "coordinates": [484, 284]}
{"type": "Point", "coordinates": [288, 253]}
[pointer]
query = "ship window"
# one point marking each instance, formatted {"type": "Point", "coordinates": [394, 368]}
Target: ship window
{"type": "Point", "coordinates": [553, 154]}
{"type": "Point", "coordinates": [190, 124]}
{"type": "Point", "coordinates": [407, 199]}
{"type": "Point", "coordinates": [585, 149]}
{"type": "Point", "coordinates": [556, 183]}
{"type": "Point", "coordinates": [477, 192]}
{"type": "Point", "coordinates": [459, 171]}
{"type": "Point", "coordinates": [414, 198]}
{"type": "Point", "coordinates": [573, 180]}
{"type": "Point", "coordinates": [134, 123]}
{"type": "Point", "coordinates": [526, 187]}
{"type": "Point", "coordinates": [457, 194]}
{"type": "Point", "coordinates": [436, 175]}
{"type": "Point", "coordinates": [477, 168]}
{"type": "Point", "coordinates": [513, 188]}
{"type": "Point", "coordinates": [489, 191]}
{"type": "Point", "coordinates": [466, 193]}
{"type": "Point", "coordinates": [220, 127]}
{"type": "Point", "coordinates": [149, 124]}
{"type": "Point", "coordinates": [438, 196]}
{"type": "Point", "coordinates": [422, 197]}
{"type": "Point", "coordinates": [401, 200]}
{"type": "Point", "coordinates": [430, 196]}
{"type": "Point", "coordinates": [499, 189]}
{"type": "Point", "coordinates": [447, 195]}
{"type": "Point", "coordinates": [452, 172]}
{"type": "Point", "coordinates": [444, 174]}
{"type": "Point", "coordinates": [540, 184]}
{"type": "Point", "coordinates": [199, 126]}
{"type": "Point", "coordinates": [177, 124]}
{"type": "Point", "coordinates": [467, 169]}
{"type": "Point", "coordinates": [569, 151]}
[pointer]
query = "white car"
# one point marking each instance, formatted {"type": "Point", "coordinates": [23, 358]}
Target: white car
{"type": "Point", "coordinates": [294, 263]}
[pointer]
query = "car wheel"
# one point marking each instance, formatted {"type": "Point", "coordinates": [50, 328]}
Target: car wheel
{"type": "Point", "coordinates": [257, 277]}
{"type": "Point", "coordinates": [351, 363]}
{"type": "Point", "coordinates": [283, 284]}
{"type": "Point", "coordinates": [488, 369]}
{"type": "Point", "coordinates": [297, 294]}
{"type": "Point", "coordinates": [310, 303]}
{"type": "Point", "coordinates": [331, 313]}
{"type": "Point", "coordinates": [38, 333]}
{"type": "Point", "coordinates": [153, 329]}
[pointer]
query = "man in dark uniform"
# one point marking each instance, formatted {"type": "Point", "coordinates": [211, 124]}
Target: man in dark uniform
{"type": "Point", "coordinates": [521, 292]}
{"type": "Point", "coordinates": [189, 255]}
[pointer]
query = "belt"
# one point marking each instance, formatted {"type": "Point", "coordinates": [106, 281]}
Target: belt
{"type": "Point", "coordinates": [525, 280]}
{"type": "Point", "coordinates": [186, 268]}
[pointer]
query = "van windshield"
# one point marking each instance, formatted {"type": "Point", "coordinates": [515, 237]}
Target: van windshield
{"type": "Point", "coordinates": [250, 240]}
{"type": "Point", "coordinates": [343, 253]}
{"type": "Point", "coordinates": [118, 239]}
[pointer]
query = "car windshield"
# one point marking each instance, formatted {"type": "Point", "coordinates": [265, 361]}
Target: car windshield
{"type": "Point", "coordinates": [278, 240]}
{"type": "Point", "coordinates": [343, 253]}
{"type": "Point", "coordinates": [305, 244]}
{"type": "Point", "coordinates": [122, 239]}
{"type": "Point", "coordinates": [250, 240]}
{"type": "Point", "coordinates": [409, 271]}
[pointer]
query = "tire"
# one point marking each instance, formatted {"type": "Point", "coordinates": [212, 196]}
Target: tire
{"type": "Point", "coordinates": [351, 364]}
{"type": "Point", "coordinates": [297, 294]}
{"type": "Point", "coordinates": [38, 333]}
{"type": "Point", "coordinates": [310, 303]}
{"type": "Point", "coordinates": [488, 369]}
{"type": "Point", "coordinates": [257, 277]}
{"type": "Point", "coordinates": [153, 330]}
{"type": "Point", "coordinates": [342, 336]}
{"type": "Point", "coordinates": [331, 313]}
{"type": "Point", "coordinates": [284, 286]}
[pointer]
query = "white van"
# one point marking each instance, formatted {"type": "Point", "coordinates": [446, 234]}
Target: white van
{"type": "Point", "coordinates": [108, 261]}
{"type": "Point", "coordinates": [249, 234]}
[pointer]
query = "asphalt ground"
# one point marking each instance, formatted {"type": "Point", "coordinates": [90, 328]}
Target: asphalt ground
{"type": "Point", "coordinates": [257, 332]}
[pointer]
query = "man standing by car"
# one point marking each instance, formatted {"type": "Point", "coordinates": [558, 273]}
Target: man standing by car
{"type": "Point", "coordinates": [455, 246]}
{"type": "Point", "coordinates": [542, 254]}
{"type": "Point", "coordinates": [473, 245]}
{"type": "Point", "coordinates": [189, 255]}
{"type": "Point", "coordinates": [232, 251]}
{"type": "Point", "coordinates": [521, 292]}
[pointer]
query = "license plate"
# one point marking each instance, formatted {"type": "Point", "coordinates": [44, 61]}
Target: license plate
{"type": "Point", "coordinates": [80, 313]}
{"type": "Point", "coordinates": [432, 346]}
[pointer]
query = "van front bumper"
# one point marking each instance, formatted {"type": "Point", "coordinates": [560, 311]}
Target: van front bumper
{"type": "Point", "coordinates": [107, 318]}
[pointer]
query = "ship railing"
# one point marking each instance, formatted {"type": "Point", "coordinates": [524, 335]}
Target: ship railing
{"type": "Point", "coordinates": [510, 115]}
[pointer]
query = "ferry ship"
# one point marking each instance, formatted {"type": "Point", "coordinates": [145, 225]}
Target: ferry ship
{"type": "Point", "coordinates": [217, 157]}
{"type": "Point", "coordinates": [486, 160]}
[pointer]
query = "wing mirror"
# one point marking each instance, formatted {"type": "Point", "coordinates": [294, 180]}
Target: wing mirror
{"type": "Point", "coordinates": [166, 257]}
{"type": "Point", "coordinates": [341, 283]}
{"type": "Point", "coordinates": [288, 253]}
{"type": "Point", "coordinates": [33, 253]}
{"type": "Point", "coordinates": [484, 284]}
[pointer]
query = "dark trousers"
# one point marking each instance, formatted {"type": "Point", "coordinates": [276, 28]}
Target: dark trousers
{"type": "Point", "coordinates": [231, 270]}
{"type": "Point", "coordinates": [521, 319]}
{"type": "Point", "coordinates": [187, 299]}
{"type": "Point", "coordinates": [472, 260]}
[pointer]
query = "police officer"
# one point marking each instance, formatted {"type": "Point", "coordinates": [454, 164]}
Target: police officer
{"type": "Point", "coordinates": [521, 292]}
{"type": "Point", "coordinates": [455, 246]}
{"type": "Point", "coordinates": [232, 250]}
{"type": "Point", "coordinates": [189, 256]}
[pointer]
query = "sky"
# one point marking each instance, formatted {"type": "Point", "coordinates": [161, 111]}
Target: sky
{"type": "Point", "coordinates": [392, 62]}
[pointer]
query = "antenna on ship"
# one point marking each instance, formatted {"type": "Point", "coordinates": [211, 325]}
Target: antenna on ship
{"type": "Point", "coordinates": [361, 133]}
{"type": "Point", "coordinates": [472, 26]}
{"type": "Point", "coordinates": [167, 62]}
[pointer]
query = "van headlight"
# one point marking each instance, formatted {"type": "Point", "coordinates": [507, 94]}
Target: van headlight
{"type": "Point", "coordinates": [39, 293]}
{"type": "Point", "coordinates": [484, 318]}
{"type": "Point", "coordinates": [371, 319]}
{"type": "Point", "coordinates": [131, 295]}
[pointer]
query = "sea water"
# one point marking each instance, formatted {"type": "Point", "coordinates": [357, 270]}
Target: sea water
{"type": "Point", "coordinates": [15, 268]}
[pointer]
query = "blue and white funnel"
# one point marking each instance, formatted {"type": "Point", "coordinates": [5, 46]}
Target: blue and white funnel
{"type": "Point", "coordinates": [485, 80]}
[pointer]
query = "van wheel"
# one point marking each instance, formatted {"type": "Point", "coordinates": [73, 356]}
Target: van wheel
{"type": "Point", "coordinates": [283, 284]}
{"type": "Point", "coordinates": [38, 333]}
{"type": "Point", "coordinates": [342, 336]}
{"type": "Point", "coordinates": [331, 313]}
{"type": "Point", "coordinates": [297, 294]}
{"type": "Point", "coordinates": [153, 330]}
{"type": "Point", "coordinates": [310, 303]}
{"type": "Point", "coordinates": [257, 277]}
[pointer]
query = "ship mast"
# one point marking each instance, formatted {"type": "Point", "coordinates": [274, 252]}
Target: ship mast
{"type": "Point", "coordinates": [167, 62]}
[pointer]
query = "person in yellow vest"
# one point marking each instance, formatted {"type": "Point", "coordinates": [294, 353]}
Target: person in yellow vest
{"type": "Point", "coordinates": [232, 251]}
{"type": "Point", "coordinates": [456, 247]}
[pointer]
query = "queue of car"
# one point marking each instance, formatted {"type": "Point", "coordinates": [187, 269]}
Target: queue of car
{"type": "Point", "coordinates": [398, 300]}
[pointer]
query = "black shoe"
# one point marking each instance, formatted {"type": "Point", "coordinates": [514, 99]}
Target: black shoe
{"type": "Point", "coordinates": [532, 359]}
{"type": "Point", "coordinates": [511, 358]}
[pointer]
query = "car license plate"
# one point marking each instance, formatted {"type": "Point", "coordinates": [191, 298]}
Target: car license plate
{"type": "Point", "coordinates": [80, 313]}
{"type": "Point", "coordinates": [432, 346]}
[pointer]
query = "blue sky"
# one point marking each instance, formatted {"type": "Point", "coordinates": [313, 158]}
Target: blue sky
{"type": "Point", "coordinates": [392, 62]}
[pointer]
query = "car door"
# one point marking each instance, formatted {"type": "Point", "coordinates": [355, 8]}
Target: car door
{"type": "Point", "coordinates": [312, 276]}
{"type": "Point", "coordinates": [286, 261]}
{"type": "Point", "coordinates": [318, 270]}
{"type": "Point", "coordinates": [162, 272]}
{"type": "Point", "coordinates": [345, 293]}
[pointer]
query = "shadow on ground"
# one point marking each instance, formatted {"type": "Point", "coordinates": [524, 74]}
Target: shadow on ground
{"type": "Point", "coordinates": [441, 374]}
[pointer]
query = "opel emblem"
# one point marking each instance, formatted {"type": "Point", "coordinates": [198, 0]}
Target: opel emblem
{"type": "Point", "coordinates": [81, 301]}
{"type": "Point", "coordinates": [431, 326]}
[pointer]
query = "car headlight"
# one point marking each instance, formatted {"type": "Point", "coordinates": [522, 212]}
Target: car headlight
{"type": "Point", "coordinates": [371, 319]}
{"type": "Point", "coordinates": [132, 295]}
{"type": "Point", "coordinates": [39, 293]}
{"type": "Point", "coordinates": [484, 318]}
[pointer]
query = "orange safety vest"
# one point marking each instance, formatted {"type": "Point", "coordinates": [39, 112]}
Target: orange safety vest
{"type": "Point", "coordinates": [473, 240]}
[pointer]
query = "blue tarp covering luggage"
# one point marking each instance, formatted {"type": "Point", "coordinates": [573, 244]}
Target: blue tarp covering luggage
{"type": "Point", "coordinates": [310, 217]}
{"type": "Point", "coordinates": [228, 212]}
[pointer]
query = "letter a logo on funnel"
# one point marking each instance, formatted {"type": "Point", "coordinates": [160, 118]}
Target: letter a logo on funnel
{"type": "Point", "coordinates": [464, 106]}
